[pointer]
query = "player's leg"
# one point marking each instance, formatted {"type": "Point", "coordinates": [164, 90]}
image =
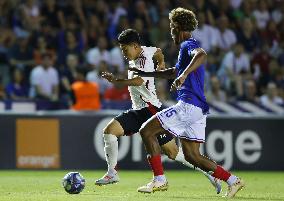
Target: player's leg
{"type": "Point", "coordinates": [127, 123]}
{"type": "Point", "coordinates": [192, 155]}
{"type": "Point", "coordinates": [111, 132]}
{"type": "Point", "coordinates": [173, 152]}
{"type": "Point", "coordinates": [149, 131]}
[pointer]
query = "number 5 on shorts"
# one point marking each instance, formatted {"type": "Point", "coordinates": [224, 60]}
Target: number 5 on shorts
{"type": "Point", "coordinates": [170, 112]}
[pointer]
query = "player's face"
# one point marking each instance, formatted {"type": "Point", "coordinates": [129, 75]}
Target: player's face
{"type": "Point", "coordinates": [128, 51]}
{"type": "Point", "coordinates": [174, 33]}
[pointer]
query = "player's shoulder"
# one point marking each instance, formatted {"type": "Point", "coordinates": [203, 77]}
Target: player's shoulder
{"type": "Point", "coordinates": [149, 49]}
{"type": "Point", "coordinates": [191, 43]}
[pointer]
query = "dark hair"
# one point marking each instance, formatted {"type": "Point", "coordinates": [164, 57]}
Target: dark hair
{"type": "Point", "coordinates": [129, 36]}
{"type": "Point", "coordinates": [184, 18]}
{"type": "Point", "coordinates": [82, 70]}
{"type": "Point", "coordinates": [46, 54]}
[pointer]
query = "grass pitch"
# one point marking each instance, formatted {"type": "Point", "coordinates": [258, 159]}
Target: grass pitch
{"type": "Point", "coordinates": [183, 185]}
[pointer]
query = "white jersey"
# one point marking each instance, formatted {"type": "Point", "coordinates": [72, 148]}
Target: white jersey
{"type": "Point", "coordinates": [146, 93]}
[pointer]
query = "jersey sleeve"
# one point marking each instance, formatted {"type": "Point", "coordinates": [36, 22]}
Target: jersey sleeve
{"type": "Point", "coordinates": [151, 50]}
{"type": "Point", "coordinates": [193, 44]}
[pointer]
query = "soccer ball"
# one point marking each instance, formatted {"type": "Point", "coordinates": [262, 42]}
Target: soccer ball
{"type": "Point", "coordinates": [73, 182]}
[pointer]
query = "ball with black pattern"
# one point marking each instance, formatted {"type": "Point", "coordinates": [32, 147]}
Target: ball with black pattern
{"type": "Point", "coordinates": [73, 183]}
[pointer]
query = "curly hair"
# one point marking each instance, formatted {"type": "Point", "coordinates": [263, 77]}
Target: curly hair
{"type": "Point", "coordinates": [184, 18]}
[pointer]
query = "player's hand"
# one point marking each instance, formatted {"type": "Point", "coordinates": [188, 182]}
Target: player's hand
{"type": "Point", "coordinates": [161, 66]}
{"type": "Point", "coordinates": [108, 76]}
{"type": "Point", "coordinates": [177, 83]}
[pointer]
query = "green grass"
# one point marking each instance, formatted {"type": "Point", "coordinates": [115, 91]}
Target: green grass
{"type": "Point", "coordinates": [184, 185]}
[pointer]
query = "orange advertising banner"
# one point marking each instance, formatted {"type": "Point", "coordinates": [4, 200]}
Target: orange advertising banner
{"type": "Point", "coordinates": [37, 143]}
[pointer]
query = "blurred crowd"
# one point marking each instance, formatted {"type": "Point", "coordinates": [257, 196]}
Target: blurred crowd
{"type": "Point", "coordinates": [44, 42]}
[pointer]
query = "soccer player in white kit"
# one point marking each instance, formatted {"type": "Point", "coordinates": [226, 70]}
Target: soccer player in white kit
{"type": "Point", "coordinates": [145, 104]}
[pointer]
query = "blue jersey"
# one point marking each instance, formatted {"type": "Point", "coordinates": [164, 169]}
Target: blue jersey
{"type": "Point", "coordinates": [192, 90]}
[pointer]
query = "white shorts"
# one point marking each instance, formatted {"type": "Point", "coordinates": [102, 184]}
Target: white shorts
{"type": "Point", "coordinates": [184, 120]}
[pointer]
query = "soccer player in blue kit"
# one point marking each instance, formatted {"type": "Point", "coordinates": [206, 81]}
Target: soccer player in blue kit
{"type": "Point", "coordinates": [187, 119]}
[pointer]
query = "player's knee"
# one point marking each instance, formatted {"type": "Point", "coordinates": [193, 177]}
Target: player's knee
{"type": "Point", "coordinates": [144, 132]}
{"type": "Point", "coordinates": [108, 130]}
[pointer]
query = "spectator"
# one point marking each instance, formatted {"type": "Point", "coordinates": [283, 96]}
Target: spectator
{"type": "Point", "coordinates": [159, 35]}
{"type": "Point", "coordinates": [50, 35]}
{"type": "Point", "coordinates": [71, 46]}
{"type": "Point", "coordinates": [44, 80]}
{"type": "Point", "coordinates": [7, 39]}
{"type": "Point", "coordinates": [234, 69]}
{"type": "Point", "coordinates": [226, 36]}
{"type": "Point", "coordinates": [2, 90]}
{"type": "Point", "coordinates": [261, 15]}
{"type": "Point", "coordinates": [235, 4]}
{"type": "Point", "coordinates": [250, 92]}
{"type": "Point", "coordinates": [95, 76]}
{"type": "Point", "coordinates": [205, 34]}
{"type": "Point", "coordinates": [115, 29]}
{"type": "Point", "coordinates": [278, 78]}
{"type": "Point", "coordinates": [141, 12]}
{"type": "Point", "coordinates": [163, 7]}
{"type": "Point", "coordinates": [118, 13]}
{"type": "Point", "coordinates": [42, 48]}
{"type": "Point", "coordinates": [117, 92]}
{"type": "Point", "coordinates": [271, 95]}
{"type": "Point", "coordinates": [17, 89]}
{"type": "Point", "coordinates": [117, 60]}
{"type": "Point", "coordinates": [30, 15]}
{"type": "Point", "coordinates": [67, 73]}
{"type": "Point", "coordinates": [247, 36]}
{"type": "Point", "coordinates": [260, 63]}
{"type": "Point", "coordinates": [94, 31]}
{"type": "Point", "coordinates": [212, 65]}
{"type": "Point", "coordinates": [86, 94]}
{"type": "Point", "coordinates": [100, 8]}
{"type": "Point", "coordinates": [50, 13]}
{"type": "Point", "coordinates": [72, 11]}
{"type": "Point", "coordinates": [21, 54]}
{"type": "Point", "coordinates": [100, 53]}
{"type": "Point", "coordinates": [140, 27]}
{"type": "Point", "coordinates": [246, 8]}
{"type": "Point", "coordinates": [215, 93]}
{"type": "Point", "coordinates": [277, 13]}
{"type": "Point", "coordinates": [271, 34]}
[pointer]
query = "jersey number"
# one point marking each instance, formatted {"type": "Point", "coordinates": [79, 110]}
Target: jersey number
{"type": "Point", "coordinates": [170, 112]}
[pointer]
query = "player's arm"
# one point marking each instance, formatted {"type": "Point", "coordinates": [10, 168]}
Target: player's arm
{"type": "Point", "coordinates": [199, 57]}
{"type": "Point", "coordinates": [136, 81]}
{"type": "Point", "coordinates": [159, 57]}
{"type": "Point", "coordinates": [169, 73]}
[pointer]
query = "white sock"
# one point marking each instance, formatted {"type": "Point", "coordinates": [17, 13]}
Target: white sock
{"type": "Point", "coordinates": [180, 158]}
{"type": "Point", "coordinates": [232, 179]}
{"type": "Point", "coordinates": [111, 152]}
{"type": "Point", "coordinates": [161, 178]}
